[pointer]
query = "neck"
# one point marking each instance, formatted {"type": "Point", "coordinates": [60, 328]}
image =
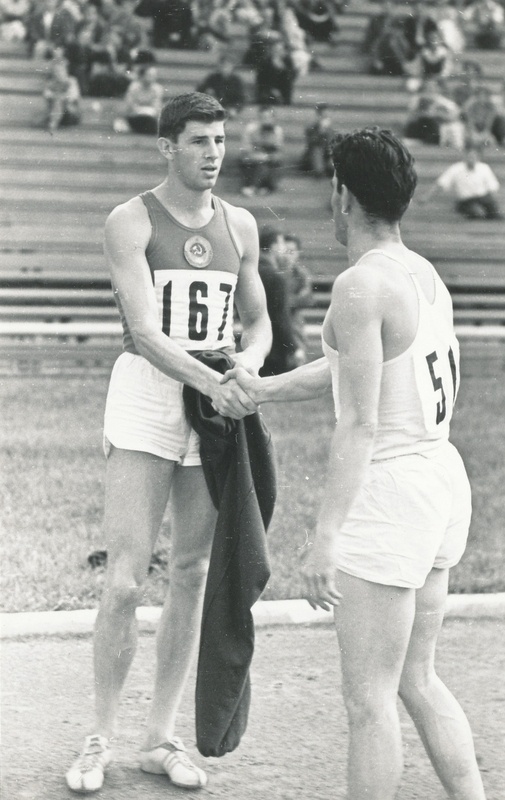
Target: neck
{"type": "Point", "coordinates": [191, 207]}
{"type": "Point", "coordinates": [380, 237]}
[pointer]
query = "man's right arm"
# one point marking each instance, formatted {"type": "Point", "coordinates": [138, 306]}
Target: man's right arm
{"type": "Point", "coordinates": [127, 234]}
{"type": "Point", "coordinates": [307, 382]}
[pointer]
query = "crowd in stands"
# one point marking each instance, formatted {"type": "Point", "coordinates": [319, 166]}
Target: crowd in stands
{"type": "Point", "coordinates": [106, 48]}
{"type": "Point", "coordinates": [421, 39]}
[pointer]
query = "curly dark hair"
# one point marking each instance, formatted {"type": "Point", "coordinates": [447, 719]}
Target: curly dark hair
{"type": "Point", "coordinates": [377, 169]}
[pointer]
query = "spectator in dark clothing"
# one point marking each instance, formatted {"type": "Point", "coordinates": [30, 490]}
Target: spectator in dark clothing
{"type": "Point", "coordinates": [316, 157]}
{"type": "Point", "coordinates": [105, 79]}
{"type": "Point", "coordinates": [434, 56]}
{"type": "Point", "coordinates": [486, 20]}
{"type": "Point", "coordinates": [226, 86]}
{"type": "Point", "coordinates": [385, 43]}
{"type": "Point", "coordinates": [275, 76]}
{"type": "Point", "coordinates": [417, 25]}
{"type": "Point", "coordinates": [80, 55]}
{"type": "Point", "coordinates": [52, 25]}
{"type": "Point", "coordinates": [318, 18]}
{"type": "Point", "coordinates": [434, 117]}
{"type": "Point", "coordinates": [261, 153]}
{"type": "Point", "coordinates": [299, 282]}
{"type": "Point", "coordinates": [282, 356]}
{"type": "Point", "coordinates": [172, 22]}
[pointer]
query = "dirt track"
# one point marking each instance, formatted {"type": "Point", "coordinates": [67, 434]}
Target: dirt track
{"type": "Point", "coordinates": [295, 746]}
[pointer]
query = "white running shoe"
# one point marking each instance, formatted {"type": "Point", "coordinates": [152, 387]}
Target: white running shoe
{"type": "Point", "coordinates": [170, 758]}
{"type": "Point", "coordinates": [87, 772]}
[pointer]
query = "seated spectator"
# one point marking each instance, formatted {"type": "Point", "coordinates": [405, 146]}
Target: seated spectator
{"type": "Point", "coordinates": [469, 79]}
{"type": "Point", "coordinates": [385, 43]}
{"type": "Point", "coordinates": [283, 354]}
{"type": "Point", "coordinates": [294, 38]}
{"type": "Point", "coordinates": [299, 285]}
{"type": "Point", "coordinates": [143, 102]}
{"type": "Point", "coordinates": [275, 76]}
{"type": "Point", "coordinates": [261, 153]}
{"type": "Point", "coordinates": [80, 55]}
{"type": "Point", "coordinates": [13, 16]}
{"type": "Point", "coordinates": [319, 19]}
{"type": "Point", "coordinates": [435, 118]}
{"type": "Point", "coordinates": [473, 185]}
{"type": "Point", "coordinates": [498, 126]}
{"type": "Point", "coordinates": [449, 24]}
{"type": "Point", "coordinates": [93, 22]}
{"type": "Point", "coordinates": [66, 20]}
{"type": "Point", "coordinates": [214, 30]}
{"type": "Point", "coordinates": [485, 20]}
{"type": "Point", "coordinates": [38, 28]}
{"type": "Point", "coordinates": [52, 26]}
{"type": "Point", "coordinates": [106, 79]}
{"type": "Point", "coordinates": [262, 28]}
{"type": "Point", "coordinates": [316, 157]}
{"type": "Point", "coordinates": [125, 33]}
{"type": "Point", "coordinates": [226, 86]}
{"type": "Point", "coordinates": [480, 113]}
{"type": "Point", "coordinates": [434, 56]}
{"type": "Point", "coordinates": [172, 22]}
{"type": "Point", "coordinates": [417, 24]}
{"type": "Point", "coordinates": [62, 97]}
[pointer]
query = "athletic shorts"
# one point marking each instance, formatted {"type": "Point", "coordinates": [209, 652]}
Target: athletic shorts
{"type": "Point", "coordinates": [411, 514]}
{"type": "Point", "coordinates": [145, 411]}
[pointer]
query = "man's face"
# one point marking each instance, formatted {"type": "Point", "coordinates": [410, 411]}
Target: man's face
{"type": "Point", "coordinates": [198, 154]}
{"type": "Point", "coordinates": [278, 247]}
{"type": "Point", "coordinates": [291, 253]}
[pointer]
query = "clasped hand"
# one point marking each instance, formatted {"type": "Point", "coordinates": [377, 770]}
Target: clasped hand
{"type": "Point", "coordinates": [233, 396]}
{"type": "Point", "coordinates": [319, 575]}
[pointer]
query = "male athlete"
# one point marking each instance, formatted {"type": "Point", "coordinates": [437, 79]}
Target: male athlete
{"type": "Point", "coordinates": [180, 258]}
{"type": "Point", "coordinates": [396, 506]}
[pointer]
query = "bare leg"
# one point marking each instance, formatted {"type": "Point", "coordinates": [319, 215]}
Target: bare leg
{"type": "Point", "coordinates": [137, 490]}
{"type": "Point", "coordinates": [194, 519]}
{"type": "Point", "coordinates": [439, 719]}
{"type": "Point", "coordinates": [373, 626]}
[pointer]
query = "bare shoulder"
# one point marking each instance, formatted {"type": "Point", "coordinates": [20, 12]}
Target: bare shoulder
{"type": "Point", "coordinates": [360, 282]}
{"type": "Point", "coordinates": [128, 219]}
{"type": "Point", "coordinates": [244, 229]}
{"type": "Point", "coordinates": [240, 218]}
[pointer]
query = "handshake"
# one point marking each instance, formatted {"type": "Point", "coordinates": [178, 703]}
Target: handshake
{"type": "Point", "coordinates": [236, 395]}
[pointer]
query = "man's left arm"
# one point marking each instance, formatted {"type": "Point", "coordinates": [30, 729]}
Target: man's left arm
{"type": "Point", "coordinates": [250, 298]}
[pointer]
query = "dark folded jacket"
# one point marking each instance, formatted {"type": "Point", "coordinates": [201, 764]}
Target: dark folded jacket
{"type": "Point", "coordinates": [238, 463]}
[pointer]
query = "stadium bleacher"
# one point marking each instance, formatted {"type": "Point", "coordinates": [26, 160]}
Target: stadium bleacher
{"type": "Point", "coordinates": [57, 308]}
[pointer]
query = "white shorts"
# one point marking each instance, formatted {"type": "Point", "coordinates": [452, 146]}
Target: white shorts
{"type": "Point", "coordinates": [145, 411]}
{"type": "Point", "coordinates": [412, 514]}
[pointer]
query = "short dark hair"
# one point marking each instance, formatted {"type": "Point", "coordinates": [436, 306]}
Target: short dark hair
{"type": "Point", "coordinates": [292, 237]}
{"type": "Point", "coordinates": [377, 169]}
{"type": "Point", "coordinates": [190, 107]}
{"type": "Point", "coordinates": [268, 236]}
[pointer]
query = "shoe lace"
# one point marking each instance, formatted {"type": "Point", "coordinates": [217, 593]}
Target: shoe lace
{"type": "Point", "coordinates": [91, 757]}
{"type": "Point", "coordinates": [180, 752]}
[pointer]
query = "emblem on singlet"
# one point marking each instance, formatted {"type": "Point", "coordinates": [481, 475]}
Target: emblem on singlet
{"type": "Point", "coordinates": [198, 252]}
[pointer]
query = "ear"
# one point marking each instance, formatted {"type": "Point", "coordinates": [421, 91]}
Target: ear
{"type": "Point", "coordinates": [166, 148]}
{"type": "Point", "coordinates": [345, 200]}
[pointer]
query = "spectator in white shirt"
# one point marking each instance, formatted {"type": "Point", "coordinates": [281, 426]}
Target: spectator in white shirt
{"type": "Point", "coordinates": [473, 185]}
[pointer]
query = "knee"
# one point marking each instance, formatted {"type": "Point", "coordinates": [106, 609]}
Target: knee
{"type": "Point", "coordinates": [416, 686]}
{"type": "Point", "coordinates": [121, 597]}
{"type": "Point", "coordinates": [364, 708]}
{"type": "Point", "coordinates": [189, 572]}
